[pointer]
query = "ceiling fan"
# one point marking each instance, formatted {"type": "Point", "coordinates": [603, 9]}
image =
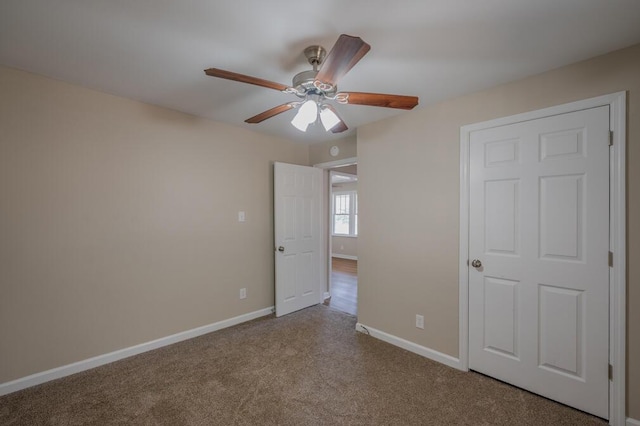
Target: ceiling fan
{"type": "Point", "coordinates": [316, 86]}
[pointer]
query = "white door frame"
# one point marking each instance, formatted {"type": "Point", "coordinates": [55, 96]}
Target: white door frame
{"type": "Point", "coordinates": [326, 227]}
{"type": "Point", "coordinates": [617, 239]}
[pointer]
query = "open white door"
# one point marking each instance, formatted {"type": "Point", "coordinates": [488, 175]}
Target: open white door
{"type": "Point", "coordinates": [298, 239]}
{"type": "Point", "coordinates": [538, 250]}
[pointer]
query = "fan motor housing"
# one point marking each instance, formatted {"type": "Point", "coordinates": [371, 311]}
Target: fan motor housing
{"type": "Point", "coordinates": [303, 82]}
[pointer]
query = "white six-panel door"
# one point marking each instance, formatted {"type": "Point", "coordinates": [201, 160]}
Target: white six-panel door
{"type": "Point", "coordinates": [297, 210]}
{"type": "Point", "coordinates": [539, 233]}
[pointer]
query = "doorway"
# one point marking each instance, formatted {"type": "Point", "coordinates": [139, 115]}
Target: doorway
{"type": "Point", "coordinates": [341, 291]}
{"type": "Point", "coordinates": [343, 238]}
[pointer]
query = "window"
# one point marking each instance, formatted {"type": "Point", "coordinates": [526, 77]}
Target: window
{"type": "Point", "coordinates": [345, 213]}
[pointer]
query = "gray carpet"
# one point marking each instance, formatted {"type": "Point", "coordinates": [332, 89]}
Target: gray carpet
{"type": "Point", "coordinates": [307, 368]}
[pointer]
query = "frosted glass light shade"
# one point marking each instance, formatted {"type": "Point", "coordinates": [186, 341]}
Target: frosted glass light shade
{"type": "Point", "coordinates": [307, 114]}
{"type": "Point", "coordinates": [299, 124]}
{"type": "Point", "coordinates": [328, 118]}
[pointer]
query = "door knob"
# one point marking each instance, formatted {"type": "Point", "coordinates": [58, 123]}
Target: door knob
{"type": "Point", "coordinates": [476, 263]}
{"type": "Point", "coordinates": [280, 248]}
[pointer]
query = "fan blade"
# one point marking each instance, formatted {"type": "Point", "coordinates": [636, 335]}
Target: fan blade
{"type": "Point", "coordinates": [269, 113]}
{"type": "Point", "coordinates": [344, 55]}
{"type": "Point", "coordinates": [381, 100]}
{"type": "Point", "coordinates": [341, 126]}
{"type": "Point", "coordinates": [215, 72]}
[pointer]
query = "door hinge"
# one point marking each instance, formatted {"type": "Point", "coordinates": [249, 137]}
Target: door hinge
{"type": "Point", "coordinates": [610, 137]}
{"type": "Point", "coordinates": [610, 259]}
{"type": "Point", "coordinates": [610, 372]}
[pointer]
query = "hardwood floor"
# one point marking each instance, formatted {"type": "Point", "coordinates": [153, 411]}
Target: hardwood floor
{"type": "Point", "coordinates": [344, 285]}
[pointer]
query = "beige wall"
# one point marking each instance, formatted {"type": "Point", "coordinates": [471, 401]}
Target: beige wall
{"type": "Point", "coordinates": [118, 222]}
{"type": "Point", "coordinates": [344, 186]}
{"type": "Point", "coordinates": [352, 169]}
{"type": "Point", "coordinates": [345, 246]}
{"type": "Point", "coordinates": [319, 152]}
{"type": "Point", "coordinates": [412, 266]}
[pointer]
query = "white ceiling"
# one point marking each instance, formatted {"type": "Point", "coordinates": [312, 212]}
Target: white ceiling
{"type": "Point", "coordinates": [155, 51]}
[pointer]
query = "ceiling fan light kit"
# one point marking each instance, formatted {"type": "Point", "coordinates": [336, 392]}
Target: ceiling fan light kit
{"type": "Point", "coordinates": [318, 85]}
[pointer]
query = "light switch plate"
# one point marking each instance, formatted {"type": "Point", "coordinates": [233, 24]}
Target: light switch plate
{"type": "Point", "coordinates": [240, 216]}
{"type": "Point", "coordinates": [420, 321]}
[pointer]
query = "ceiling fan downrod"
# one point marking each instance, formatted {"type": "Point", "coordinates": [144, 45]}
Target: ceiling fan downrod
{"type": "Point", "coordinates": [315, 55]}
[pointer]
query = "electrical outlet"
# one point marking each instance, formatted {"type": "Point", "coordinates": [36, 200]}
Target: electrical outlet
{"type": "Point", "coordinates": [243, 293]}
{"type": "Point", "coordinates": [420, 321]}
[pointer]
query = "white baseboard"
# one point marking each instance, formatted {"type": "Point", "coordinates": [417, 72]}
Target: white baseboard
{"type": "Point", "coordinates": [410, 346]}
{"type": "Point", "coordinates": [326, 295]}
{"type": "Point", "coordinates": [87, 364]}
{"type": "Point", "coordinates": [344, 256]}
{"type": "Point", "coordinates": [632, 422]}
